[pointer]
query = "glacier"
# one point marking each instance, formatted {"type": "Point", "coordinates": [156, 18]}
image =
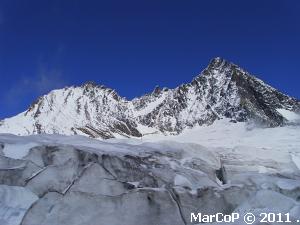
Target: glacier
{"type": "Point", "coordinates": [57, 179]}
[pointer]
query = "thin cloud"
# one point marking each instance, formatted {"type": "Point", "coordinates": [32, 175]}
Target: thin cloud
{"type": "Point", "coordinates": [44, 81]}
{"type": "Point", "coordinates": [47, 80]}
{"type": "Point", "coordinates": [25, 89]}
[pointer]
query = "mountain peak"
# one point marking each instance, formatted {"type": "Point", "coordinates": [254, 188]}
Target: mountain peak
{"type": "Point", "coordinates": [217, 59]}
{"type": "Point", "coordinates": [218, 62]}
{"type": "Point", "coordinates": [90, 83]}
{"type": "Point", "coordinates": [218, 68]}
{"type": "Point", "coordinates": [157, 90]}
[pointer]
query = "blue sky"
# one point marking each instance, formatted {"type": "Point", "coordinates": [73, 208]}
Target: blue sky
{"type": "Point", "coordinates": [133, 45]}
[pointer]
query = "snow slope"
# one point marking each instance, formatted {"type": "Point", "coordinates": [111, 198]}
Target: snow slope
{"type": "Point", "coordinates": [290, 115]}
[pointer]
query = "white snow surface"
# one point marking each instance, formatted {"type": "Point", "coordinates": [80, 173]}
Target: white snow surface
{"type": "Point", "coordinates": [289, 115]}
{"type": "Point", "coordinates": [225, 134]}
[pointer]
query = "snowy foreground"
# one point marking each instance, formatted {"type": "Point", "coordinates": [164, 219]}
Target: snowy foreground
{"type": "Point", "coordinates": [61, 180]}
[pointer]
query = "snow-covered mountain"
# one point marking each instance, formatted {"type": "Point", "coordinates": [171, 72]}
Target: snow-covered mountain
{"type": "Point", "coordinates": [222, 90]}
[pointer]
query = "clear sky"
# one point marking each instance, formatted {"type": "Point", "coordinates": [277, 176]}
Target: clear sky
{"type": "Point", "coordinates": [133, 45]}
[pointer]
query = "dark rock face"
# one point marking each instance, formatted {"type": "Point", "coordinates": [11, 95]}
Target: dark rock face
{"type": "Point", "coordinates": [260, 101]}
{"type": "Point", "coordinates": [222, 90]}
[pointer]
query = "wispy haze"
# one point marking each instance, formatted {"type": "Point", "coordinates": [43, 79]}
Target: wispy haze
{"type": "Point", "coordinates": [133, 45]}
